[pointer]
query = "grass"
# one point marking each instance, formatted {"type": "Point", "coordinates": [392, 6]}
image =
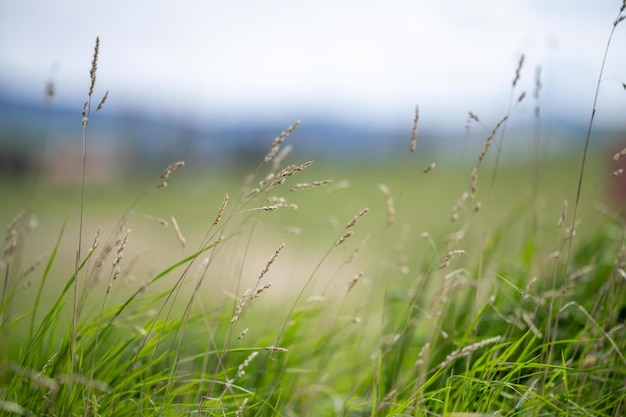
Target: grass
{"type": "Point", "coordinates": [399, 295]}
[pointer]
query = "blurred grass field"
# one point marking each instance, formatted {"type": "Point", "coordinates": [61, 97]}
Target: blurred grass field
{"type": "Point", "coordinates": [524, 199]}
{"type": "Point", "coordinates": [483, 279]}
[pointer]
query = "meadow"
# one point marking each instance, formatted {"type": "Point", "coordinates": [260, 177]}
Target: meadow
{"type": "Point", "coordinates": [465, 284]}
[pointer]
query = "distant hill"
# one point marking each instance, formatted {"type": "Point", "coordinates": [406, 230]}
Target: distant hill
{"type": "Point", "coordinates": [149, 140]}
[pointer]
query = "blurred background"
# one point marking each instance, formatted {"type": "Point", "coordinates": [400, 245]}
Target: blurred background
{"type": "Point", "coordinates": [214, 82]}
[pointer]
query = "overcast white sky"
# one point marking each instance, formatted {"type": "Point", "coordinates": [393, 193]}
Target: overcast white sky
{"type": "Point", "coordinates": [370, 61]}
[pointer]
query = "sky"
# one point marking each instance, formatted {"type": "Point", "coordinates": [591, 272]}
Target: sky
{"type": "Point", "coordinates": [369, 62]}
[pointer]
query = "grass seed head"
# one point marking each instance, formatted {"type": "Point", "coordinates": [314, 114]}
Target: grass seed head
{"type": "Point", "coordinates": [520, 64]}
{"type": "Point", "coordinates": [173, 167]}
{"type": "Point", "coordinates": [49, 92]}
{"type": "Point", "coordinates": [563, 214]}
{"type": "Point", "coordinates": [445, 261]}
{"type": "Point", "coordinates": [391, 207]}
{"type": "Point", "coordinates": [280, 139]}
{"type": "Point", "coordinates": [429, 168]}
{"type": "Point", "coordinates": [354, 280]}
{"type": "Point", "coordinates": [473, 116]}
{"type": "Point", "coordinates": [220, 212]}
{"type": "Point", "coordinates": [179, 234]}
{"type": "Point", "coordinates": [490, 139]}
{"type": "Point", "coordinates": [473, 183]}
{"type": "Point", "coordinates": [271, 260]}
{"type": "Point", "coordinates": [94, 66]}
{"type": "Point", "coordinates": [242, 334]}
{"type": "Point", "coordinates": [413, 144]}
{"type": "Point", "coordinates": [344, 238]}
{"type": "Point", "coordinates": [276, 349]}
{"type": "Point", "coordinates": [356, 218]}
{"type": "Point", "coordinates": [104, 99]}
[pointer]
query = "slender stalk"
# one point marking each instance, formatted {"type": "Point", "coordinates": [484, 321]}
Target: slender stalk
{"type": "Point", "coordinates": [579, 187]}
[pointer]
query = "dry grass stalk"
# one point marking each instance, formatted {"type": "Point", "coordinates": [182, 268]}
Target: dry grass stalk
{"type": "Point", "coordinates": [220, 212]}
{"type": "Point", "coordinates": [132, 263]}
{"type": "Point", "coordinates": [474, 117]}
{"type": "Point", "coordinates": [343, 238]}
{"type": "Point", "coordinates": [521, 97]}
{"type": "Point", "coordinates": [239, 412]}
{"type": "Point", "coordinates": [537, 90]}
{"type": "Point", "coordinates": [179, 234]}
{"type": "Point", "coordinates": [458, 206]}
{"type": "Point", "coordinates": [280, 139]}
{"type": "Point", "coordinates": [456, 237]}
{"type": "Point", "coordinates": [242, 334]}
{"type": "Point", "coordinates": [280, 157]}
{"type": "Point", "coordinates": [356, 219]}
{"type": "Point", "coordinates": [274, 207]}
{"type": "Point", "coordinates": [168, 171]}
{"type": "Point", "coordinates": [520, 64]}
{"type": "Point", "coordinates": [429, 168]}
{"type": "Point", "coordinates": [48, 364]}
{"type": "Point", "coordinates": [570, 232]}
{"type": "Point", "coordinates": [354, 280]}
{"type": "Point", "coordinates": [271, 261]}
{"type": "Point", "coordinates": [259, 291]}
{"type": "Point", "coordinates": [294, 230]}
{"type": "Point", "coordinates": [276, 349]}
{"type": "Point", "coordinates": [15, 235]}
{"type": "Point", "coordinates": [314, 184]}
{"type": "Point", "coordinates": [104, 99]}
{"type": "Point", "coordinates": [94, 66]}
{"type": "Point", "coordinates": [473, 183]}
{"type": "Point", "coordinates": [563, 214]}
{"type": "Point", "coordinates": [120, 253]}
{"type": "Point", "coordinates": [413, 145]}
{"type": "Point", "coordinates": [96, 238]}
{"type": "Point", "coordinates": [467, 350]}
{"type": "Point", "coordinates": [99, 262]}
{"type": "Point", "coordinates": [391, 208]}
{"type": "Point", "coordinates": [424, 351]}
{"type": "Point", "coordinates": [173, 167]}
{"type": "Point", "coordinates": [269, 177]}
{"type": "Point", "coordinates": [529, 322]}
{"type": "Point", "coordinates": [401, 241]}
{"type": "Point", "coordinates": [241, 369]}
{"type": "Point", "coordinates": [240, 306]}
{"type": "Point", "coordinates": [289, 171]}
{"type": "Point", "coordinates": [85, 119]}
{"type": "Point", "coordinates": [276, 200]}
{"type": "Point", "coordinates": [121, 245]}
{"type": "Point", "coordinates": [35, 264]}
{"type": "Point", "coordinates": [12, 229]}
{"type": "Point", "coordinates": [49, 93]}
{"type": "Point", "coordinates": [490, 138]}
{"type": "Point", "coordinates": [445, 261]}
